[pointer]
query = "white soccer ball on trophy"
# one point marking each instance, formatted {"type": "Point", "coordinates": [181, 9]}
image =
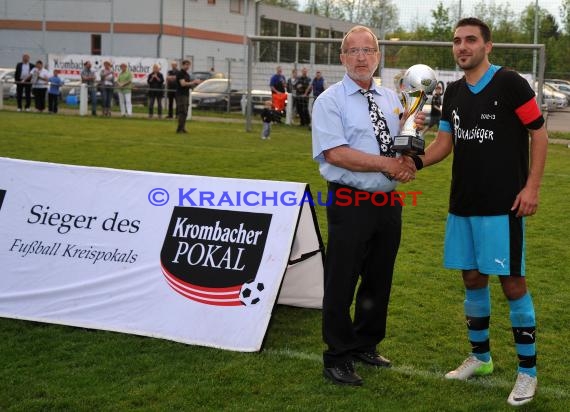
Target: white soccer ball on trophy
{"type": "Point", "coordinates": [419, 77]}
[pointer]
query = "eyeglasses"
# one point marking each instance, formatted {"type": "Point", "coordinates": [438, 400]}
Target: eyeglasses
{"type": "Point", "coordinates": [355, 51]}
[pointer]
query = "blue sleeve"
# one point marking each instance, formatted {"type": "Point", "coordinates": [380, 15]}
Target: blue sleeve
{"type": "Point", "coordinates": [445, 126]}
{"type": "Point", "coordinates": [327, 127]}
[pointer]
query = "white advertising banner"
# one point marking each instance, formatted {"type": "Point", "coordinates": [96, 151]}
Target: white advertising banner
{"type": "Point", "coordinates": [71, 65]}
{"type": "Point", "coordinates": [194, 259]}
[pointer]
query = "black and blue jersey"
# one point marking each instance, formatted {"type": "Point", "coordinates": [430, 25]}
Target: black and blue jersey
{"type": "Point", "coordinates": [488, 123]}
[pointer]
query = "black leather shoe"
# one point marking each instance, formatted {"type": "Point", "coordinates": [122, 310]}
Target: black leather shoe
{"type": "Point", "coordinates": [343, 374]}
{"type": "Point", "coordinates": [372, 359]}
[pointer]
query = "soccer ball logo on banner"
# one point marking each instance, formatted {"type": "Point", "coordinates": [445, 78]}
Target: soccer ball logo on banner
{"type": "Point", "coordinates": [250, 293]}
{"type": "Point", "coordinates": [213, 256]}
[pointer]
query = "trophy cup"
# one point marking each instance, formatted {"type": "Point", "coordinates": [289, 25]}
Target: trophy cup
{"type": "Point", "coordinates": [418, 81]}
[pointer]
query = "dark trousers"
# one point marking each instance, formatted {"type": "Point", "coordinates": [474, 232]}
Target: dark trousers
{"type": "Point", "coordinates": [303, 110]}
{"type": "Point", "coordinates": [92, 90]}
{"type": "Point", "coordinates": [181, 111]}
{"type": "Point", "coordinates": [171, 95]}
{"type": "Point", "coordinates": [40, 98]}
{"type": "Point", "coordinates": [53, 100]}
{"type": "Point", "coordinates": [26, 90]}
{"type": "Point", "coordinates": [152, 97]}
{"type": "Point", "coordinates": [107, 97]}
{"type": "Point", "coordinates": [363, 242]}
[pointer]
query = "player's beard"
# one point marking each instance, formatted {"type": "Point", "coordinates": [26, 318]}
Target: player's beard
{"type": "Point", "coordinates": [472, 61]}
{"type": "Point", "coordinates": [361, 76]}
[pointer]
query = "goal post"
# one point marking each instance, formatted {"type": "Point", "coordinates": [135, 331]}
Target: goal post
{"type": "Point", "coordinates": [386, 46]}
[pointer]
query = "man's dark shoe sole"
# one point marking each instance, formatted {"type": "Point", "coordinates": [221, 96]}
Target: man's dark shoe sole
{"type": "Point", "coordinates": [332, 375]}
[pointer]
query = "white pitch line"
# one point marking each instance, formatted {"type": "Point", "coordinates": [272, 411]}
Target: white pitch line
{"type": "Point", "coordinates": [490, 381]}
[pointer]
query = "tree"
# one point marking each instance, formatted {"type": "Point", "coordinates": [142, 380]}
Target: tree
{"type": "Point", "coordinates": [441, 27]}
{"type": "Point", "coordinates": [326, 8]}
{"type": "Point", "coordinates": [547, 26]}
{"type": "Point", "coordinates": [379, 14]}
{"type": "Point", "coordinates": [500, 19]}
{"type": "Point", "coordinates": [565, 16]}
{"type": "Point", "coordinates": [441, 30]}
{"type": "Point", "coordinates": [506, 26]}
{"type": "Point", "coordinates": [351, 9]}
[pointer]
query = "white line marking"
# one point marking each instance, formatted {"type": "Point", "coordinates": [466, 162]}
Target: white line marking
{"type": "Point", "coordinates": [488, 381]}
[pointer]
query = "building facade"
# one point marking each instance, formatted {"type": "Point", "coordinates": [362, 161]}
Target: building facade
{"type": "Point", "coordinates": [210, 33]}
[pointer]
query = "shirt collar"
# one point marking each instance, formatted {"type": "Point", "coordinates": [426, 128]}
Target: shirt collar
{"type": "Point", "coordinates": [485, 80]}
{"type": "Point", "coordinates": [352, 87]}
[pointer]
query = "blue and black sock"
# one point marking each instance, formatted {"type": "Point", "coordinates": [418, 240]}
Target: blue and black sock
{"type": "Point", "coordinates": [523, 322]}
{"type": "Point", "coordinates": [477, 315]}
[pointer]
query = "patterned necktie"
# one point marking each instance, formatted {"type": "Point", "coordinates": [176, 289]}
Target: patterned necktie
{"type": "Point", "coordinates": [380, 126]}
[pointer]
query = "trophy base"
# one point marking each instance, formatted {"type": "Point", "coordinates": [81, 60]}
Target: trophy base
{"type": "Point", "coordinates": [409, 145]}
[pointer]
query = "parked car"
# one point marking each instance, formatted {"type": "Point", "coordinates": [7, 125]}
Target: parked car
{"type": "Point", "coordinates": [200, 76]}
{"type": "Point", "coordinates": [552, 98]}
{"type": "Point", "coordinates": [561, 88]}
{"type": "Point", "coordinates": [73, 88]}
{"type": "Point", "coordinates": [7, 77]}
{"type": "Point", "coordinates": [258, 99]}
{"type": "Point", "coordinates": [139, 93]}
{"type": "Point", "coordinates": [11, 91]}
{"type": "Point", "coordinates": [70, 87]}
{"type": "Point", "coordinates": [557, 81]}
{"type": "Point", "coordinates": [214, 94]}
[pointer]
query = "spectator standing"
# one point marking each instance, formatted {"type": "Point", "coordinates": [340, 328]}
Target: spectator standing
{"type": "Point", "coordinates": [266, 117]}
{"type": "Point", "coordinates": [292, 81]}
{"type": "Point", "coordinates": [303, 88]}
{"type": "Point", "coordinates": [155, 82]}
{"type": "Point", "coordinates": [125, 86]}
{"type": "Point", "coordinates": [291, 88]}
{"type": "Point", "coordinates": [277, 82]}
{"type": "Point", "coordinates": [278, 85]}
{"type": "Point", "coordinates": [183, 86]}
{"type": "Point", "coordinates": [107, 79]}
{"type": "Point", "coordinates": [88, 77]}
{"type": "Point", "coordinates": [23, 70]}
{"type": "Point", "coordinates": [39, 78]}
{"type": "Point", "coordinates": [171, 86]}
{"type": "Point", "coordinates": [55, 83]}
{"type": "Point", "coordinates": [318, 84]}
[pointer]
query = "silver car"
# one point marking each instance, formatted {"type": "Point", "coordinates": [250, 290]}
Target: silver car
{"type": "Point", "coordinates": [561, 88]}
{"type": "Point", "coordinates": [7, 79]}
{"type": "Point", "coordinates": [552, 98]}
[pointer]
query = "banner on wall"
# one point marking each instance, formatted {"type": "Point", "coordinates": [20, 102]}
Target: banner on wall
{"type": "Point", "coordinates": [194, 259]}
{"type": "Point", "coordinates": [71, 65]}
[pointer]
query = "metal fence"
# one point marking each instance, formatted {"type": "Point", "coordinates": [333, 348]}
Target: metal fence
{"type": "Point", "coordinates": [398, 55]}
